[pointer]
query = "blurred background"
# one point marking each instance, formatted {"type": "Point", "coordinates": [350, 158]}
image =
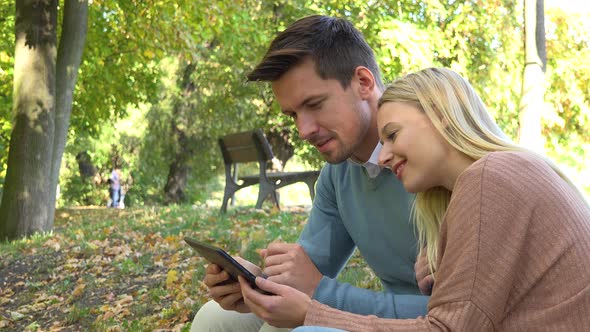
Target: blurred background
{"type": "Point", "coordinates": [160, 81]}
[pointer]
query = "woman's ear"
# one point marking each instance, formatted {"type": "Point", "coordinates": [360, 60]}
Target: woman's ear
{"type": "Point", "coordinates": [366, 81]}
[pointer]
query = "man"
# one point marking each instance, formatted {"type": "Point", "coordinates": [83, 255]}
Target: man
{"type": "Point", "coordinates": [325, 77]}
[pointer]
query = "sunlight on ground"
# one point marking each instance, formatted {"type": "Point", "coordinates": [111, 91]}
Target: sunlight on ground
{"type": "Point", "coordinates": [296, 194]}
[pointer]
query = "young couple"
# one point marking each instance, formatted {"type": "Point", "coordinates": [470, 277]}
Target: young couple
{"type": "Point", "coordinates": [505, 233]}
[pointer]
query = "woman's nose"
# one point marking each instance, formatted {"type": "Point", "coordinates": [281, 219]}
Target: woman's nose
{"type": "Point", "coordinates": [385, 157]}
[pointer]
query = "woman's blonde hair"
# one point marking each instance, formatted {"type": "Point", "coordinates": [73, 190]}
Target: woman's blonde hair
{"type": "Point", "coordinates": [457, 112]}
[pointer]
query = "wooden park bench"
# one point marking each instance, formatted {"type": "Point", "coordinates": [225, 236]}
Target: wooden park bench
{"type": "Point", "coordinates": [252, 146]}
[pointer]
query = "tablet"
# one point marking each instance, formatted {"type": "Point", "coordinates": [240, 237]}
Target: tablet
{"type": "Point", "coordinates": [224, 260]}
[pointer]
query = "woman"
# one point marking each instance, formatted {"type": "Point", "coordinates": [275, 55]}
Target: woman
{"type": "Point", "coordinates": [507, 234]}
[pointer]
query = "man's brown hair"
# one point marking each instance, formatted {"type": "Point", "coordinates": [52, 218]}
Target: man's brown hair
{"type": "Point", "coordinates": [336, 47]}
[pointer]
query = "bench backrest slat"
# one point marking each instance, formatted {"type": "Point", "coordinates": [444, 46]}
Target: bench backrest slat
{"type": "Point", "coordinates": [245, 147]}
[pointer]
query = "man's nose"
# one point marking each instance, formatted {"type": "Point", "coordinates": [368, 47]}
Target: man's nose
{"type": "Point", "coordinates": [307, 126]}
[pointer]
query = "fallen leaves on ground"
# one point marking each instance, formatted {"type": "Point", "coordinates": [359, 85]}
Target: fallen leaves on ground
{"type": "Point", "coordinates": [124, 270]}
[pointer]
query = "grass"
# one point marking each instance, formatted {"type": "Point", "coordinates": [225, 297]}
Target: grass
{"type": "Point", "coordinates": [129, 270]}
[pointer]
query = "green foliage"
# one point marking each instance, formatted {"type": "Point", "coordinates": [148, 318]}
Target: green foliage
{"type": "Point", "coordinates": [567, 114]}
{"type": "Point", "coordinates": [80, 191]}
{"type": "Point", "coordinates": [117, 142]}
{"type": "Point", "coordinates": [6, 75]}
{"type": "Point", "coordinates": [221, 102]}
{"type": "Point", "coordinates": [136, 52]}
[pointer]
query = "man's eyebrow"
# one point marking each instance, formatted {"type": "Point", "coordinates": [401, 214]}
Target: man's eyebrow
{"type": "Point", "coordinates": [310, 99]}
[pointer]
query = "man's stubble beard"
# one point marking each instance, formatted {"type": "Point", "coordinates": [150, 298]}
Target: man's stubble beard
{"type": "Point", "coordinates": [347, 151]}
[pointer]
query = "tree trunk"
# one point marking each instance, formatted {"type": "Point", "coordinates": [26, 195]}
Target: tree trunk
{"type": "Point", "coordinates": [24, 209]}
{"type": "Point", "coordinates": [44, 81]}
{"type": "Point", "coordinates": [177, 179]}
{"type": "Point", "coordinates": [178, 172]}
{"type": "Point", "coordinates": [69, 55]}
{"type": "Point", "coordinates": [533, 90]}
{"type": "Point", "coordinates": [85, 166]}
{"type": "Point", "coordinates": [282, 149]}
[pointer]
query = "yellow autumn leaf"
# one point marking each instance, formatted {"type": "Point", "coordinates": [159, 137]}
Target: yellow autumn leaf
{"type": "Point", "coordinates": [124, 300]}
{"type": "Point", "coordinates": [171, 278]}
{"type": "Point", "coordinates": [274, 211]}
{"type": "Point", "coordinates": [79, 290]}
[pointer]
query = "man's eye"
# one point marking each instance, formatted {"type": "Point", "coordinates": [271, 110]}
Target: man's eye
{"type": "Point", "coordinates": [314, 106]}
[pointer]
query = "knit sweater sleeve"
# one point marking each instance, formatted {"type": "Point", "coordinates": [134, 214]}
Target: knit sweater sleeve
{"type": "Point", "coordinates": [324, 237]}
{"type": "Point", "coordinates": [445, 318]}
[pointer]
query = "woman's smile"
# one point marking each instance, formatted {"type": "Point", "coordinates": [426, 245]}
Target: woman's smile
{"type": "Point", "coordinates": [399, 168]}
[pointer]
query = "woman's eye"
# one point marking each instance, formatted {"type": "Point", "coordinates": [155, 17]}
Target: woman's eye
{"type": "Point", "coordinates": [391, 136]}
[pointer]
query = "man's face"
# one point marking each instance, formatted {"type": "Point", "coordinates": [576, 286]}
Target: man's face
{"type": "Point", "coordinates": [333, 119]}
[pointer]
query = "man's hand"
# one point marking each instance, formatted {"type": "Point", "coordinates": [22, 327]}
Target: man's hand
{"type": "Point", "coordinates": [286, 308]}
{"type": "Point", "coordinates": [288, 264]}
{"type": "Point", "coordinates": [423, 275]}
{"type": "Point", "coordinates": [225, 291]}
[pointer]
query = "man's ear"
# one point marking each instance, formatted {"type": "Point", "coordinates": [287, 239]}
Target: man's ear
{"type": "Point", "coordinates": [365, 80]}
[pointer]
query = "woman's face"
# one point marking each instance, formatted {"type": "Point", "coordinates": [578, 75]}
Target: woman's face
{"type": "Point", "coordinates": [412, 147]}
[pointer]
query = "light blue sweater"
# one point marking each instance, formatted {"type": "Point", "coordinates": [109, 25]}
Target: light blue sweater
{"type": "Point", "coordinates": [351, 210]}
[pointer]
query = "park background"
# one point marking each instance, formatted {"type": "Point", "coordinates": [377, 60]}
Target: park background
{"type": "Point", "coordinates": [159, 81]}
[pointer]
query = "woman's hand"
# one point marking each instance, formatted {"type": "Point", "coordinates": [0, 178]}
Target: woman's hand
{"type": "Point", "coordinates": [423, 274]}
{"type": "Point", "coordinates": [287, 308]}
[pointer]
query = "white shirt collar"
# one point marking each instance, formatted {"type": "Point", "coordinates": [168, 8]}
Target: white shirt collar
{"type": "Point", "coordinates": [371, 165]}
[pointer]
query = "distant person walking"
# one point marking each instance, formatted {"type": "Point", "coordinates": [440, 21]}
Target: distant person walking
{"type": "Point", "coordinates": [115, 187]}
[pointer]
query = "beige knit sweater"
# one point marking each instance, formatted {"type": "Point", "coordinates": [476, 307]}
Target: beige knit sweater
{"type": "Point", "coordinates": [514, 255]}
